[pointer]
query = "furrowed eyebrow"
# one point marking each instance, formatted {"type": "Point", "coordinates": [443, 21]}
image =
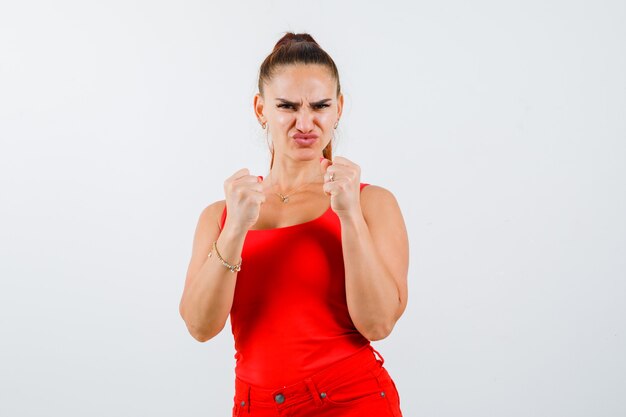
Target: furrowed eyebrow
{"type": "Point", "coordinates": [315, 103]}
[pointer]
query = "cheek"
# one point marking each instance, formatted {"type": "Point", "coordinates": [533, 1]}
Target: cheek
{"type": "Point", "coordinates": [284, 119]}
{"type": "Point", "coordinates": [327, 118]}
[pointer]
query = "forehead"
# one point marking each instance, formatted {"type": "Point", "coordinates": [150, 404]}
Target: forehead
{"type": "Point", "coordinates": [302, 80]}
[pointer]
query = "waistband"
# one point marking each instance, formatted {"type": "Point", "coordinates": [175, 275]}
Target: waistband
{"type": "Point", "coordinates": [363, 361]}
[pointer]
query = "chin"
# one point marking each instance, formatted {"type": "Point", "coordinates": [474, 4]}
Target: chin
{"type": "Point", "coordinates": [307, 154]}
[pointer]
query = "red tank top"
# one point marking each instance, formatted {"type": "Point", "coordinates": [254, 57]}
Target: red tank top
{"type": "Point", "coordinates": [289, 316]}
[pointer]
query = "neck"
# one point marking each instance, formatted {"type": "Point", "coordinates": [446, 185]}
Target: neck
{"type": "Point", "coordinates": [286, 174]}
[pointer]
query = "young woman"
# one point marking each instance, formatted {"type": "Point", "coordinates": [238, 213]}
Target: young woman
{"type": "Point", "coordinates": [310, 263]}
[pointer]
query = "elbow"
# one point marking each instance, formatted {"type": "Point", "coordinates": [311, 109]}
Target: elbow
{"type": "Point", "coordinates": [200, 333]}
{"type": "Point", "coordinates": [381, 330]}
{"type": "Point", "coordinates": [378, 332]}
{"type": "Point", "coordinates": [373, 337]}
{"type": "Point", "coordinates": [200, 337]}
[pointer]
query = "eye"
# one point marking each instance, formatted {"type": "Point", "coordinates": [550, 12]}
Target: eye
{"type": "Point", "coordinates": [285, 106]}
{"type": "Point", "coordinates": [321, 106]}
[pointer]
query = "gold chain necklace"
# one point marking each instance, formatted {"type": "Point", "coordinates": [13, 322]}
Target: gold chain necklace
{"type": "Point", "coordinates": [285, 197]}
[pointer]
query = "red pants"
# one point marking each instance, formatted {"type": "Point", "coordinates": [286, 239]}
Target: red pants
{"type": "Point", "coordinates": [353, 387]}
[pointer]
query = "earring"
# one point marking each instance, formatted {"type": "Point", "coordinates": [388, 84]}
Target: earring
{"type": "Point", "coordinates": [336, 124]}
{"type": "Point", "coordinates": [263, 125]}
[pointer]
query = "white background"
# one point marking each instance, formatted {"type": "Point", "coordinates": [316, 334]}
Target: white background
{"type": "Point", "coordinates": [500, 126]}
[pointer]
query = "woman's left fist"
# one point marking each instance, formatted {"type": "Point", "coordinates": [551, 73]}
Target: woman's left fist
{"type": "Point", "coordinates": [342, 181]}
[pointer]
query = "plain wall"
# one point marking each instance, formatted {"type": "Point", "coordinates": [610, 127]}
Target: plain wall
{"type": "Point", "coordinates": [500, 128]}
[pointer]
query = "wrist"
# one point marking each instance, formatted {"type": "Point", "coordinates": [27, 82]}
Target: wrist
{"type": "Point", "coordinates": [233, 231]}
{"type": "Point", "coordinates": [233, 267]}
{"type": "Point", "coordinates": [352, 217]}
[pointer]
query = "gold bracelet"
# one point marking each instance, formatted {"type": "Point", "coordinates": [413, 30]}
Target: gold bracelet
{"type": "Point", "coordinates": [233, 268]}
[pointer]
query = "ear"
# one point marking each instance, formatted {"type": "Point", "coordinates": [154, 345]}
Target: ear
{"type": "Point", "coordinates": [339, 105]}
{"type": "Point", "coordinates": [258, 105]}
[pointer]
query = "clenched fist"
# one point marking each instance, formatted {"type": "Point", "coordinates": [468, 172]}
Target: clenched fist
{"type": "Point", "coordinates": [342, 182]}
{"type": "Point", "coordinates": [244, 196]}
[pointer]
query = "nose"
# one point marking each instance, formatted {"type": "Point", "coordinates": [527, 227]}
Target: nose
{"type": "Point", "coordinates": [305, 120]}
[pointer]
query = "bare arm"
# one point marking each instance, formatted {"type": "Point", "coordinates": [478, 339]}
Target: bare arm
{"type": "Point", "coordinates": [209, 286]}
{"type": "Point", "coordinates": [375, 251]}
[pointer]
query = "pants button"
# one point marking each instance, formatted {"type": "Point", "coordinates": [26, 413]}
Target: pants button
{"type": "Point", "coordinates": [323, 395]}
{"type": "Point", "coordinates": [243, 403]}
{"type": "Point", "coordinates": [279, 398]}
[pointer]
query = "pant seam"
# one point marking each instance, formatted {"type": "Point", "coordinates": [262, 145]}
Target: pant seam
{"type": "Point", "coordinates": [389, 405]}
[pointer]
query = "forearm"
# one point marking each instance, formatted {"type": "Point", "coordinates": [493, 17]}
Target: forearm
{"type": "Point", "coordinates": [371, 291]}
{"type": "Point", "coordinates": [207, 301]}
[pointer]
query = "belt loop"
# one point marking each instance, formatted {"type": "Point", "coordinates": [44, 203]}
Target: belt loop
{"type": "Point", "coordinates": [382, 360]}
{"type": "Point", "coordinates": [311, 386]}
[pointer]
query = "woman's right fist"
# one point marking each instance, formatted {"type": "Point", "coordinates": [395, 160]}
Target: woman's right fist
{"type": "Point", "coordinates": [244, 196]}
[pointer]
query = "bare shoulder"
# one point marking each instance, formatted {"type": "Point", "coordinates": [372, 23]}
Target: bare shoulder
{"type": "Point", "coordinates": [212, 214]}
{"type": "Point", "coordinates": [376, 199]}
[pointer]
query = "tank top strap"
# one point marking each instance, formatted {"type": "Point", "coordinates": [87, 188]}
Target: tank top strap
{"type": "Point", "coordinates": [363, 184]}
